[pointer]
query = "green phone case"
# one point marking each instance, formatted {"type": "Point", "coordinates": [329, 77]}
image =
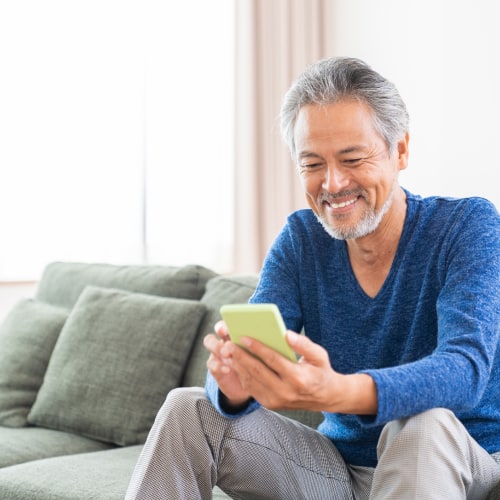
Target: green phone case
{"type": "Point", "coordinates": [262, 322]}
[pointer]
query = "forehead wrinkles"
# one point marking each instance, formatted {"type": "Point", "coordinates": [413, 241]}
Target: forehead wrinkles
{"type": "Point", "coordinates": [345, 127]}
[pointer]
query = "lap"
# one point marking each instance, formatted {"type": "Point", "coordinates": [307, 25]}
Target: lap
{"type": "Point", "coordinates": [267, 455]}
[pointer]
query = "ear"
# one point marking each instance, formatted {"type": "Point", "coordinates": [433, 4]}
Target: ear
{"type": "Point", "coordinates": [403, 151]}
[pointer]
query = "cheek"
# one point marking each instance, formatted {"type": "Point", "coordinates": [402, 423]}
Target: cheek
{"type": "Point", "coordinates": [382, 192]}
{"type": "Point", "coordinates": [311, 202]}
{"type": "Point", "coordinates": [311, 183]}
{"type": "Point", "coordinates": [310, 191]}
{"type": "Point", "coordinates": [304, 181]}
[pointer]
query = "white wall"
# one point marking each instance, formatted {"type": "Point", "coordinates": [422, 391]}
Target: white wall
{"type": "Point", "coordinates": [444, 57]}
{"type": "Point", "coordinates": [12, 293]}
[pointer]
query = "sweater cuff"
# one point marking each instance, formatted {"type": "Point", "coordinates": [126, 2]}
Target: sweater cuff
{"type": "Point", "coordinates": [217, 398]}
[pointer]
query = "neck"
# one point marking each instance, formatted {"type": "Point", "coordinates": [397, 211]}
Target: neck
{"type": "Point", "coordinates": [381, 245]}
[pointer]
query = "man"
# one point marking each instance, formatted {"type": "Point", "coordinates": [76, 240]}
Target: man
{"type": "Point", "coordinates": [399, 300]}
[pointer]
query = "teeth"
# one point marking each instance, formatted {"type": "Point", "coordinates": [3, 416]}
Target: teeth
{"type": "Point", "coordinates": [343, 204]}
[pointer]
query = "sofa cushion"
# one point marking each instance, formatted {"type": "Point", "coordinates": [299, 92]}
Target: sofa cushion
{"type": "Point", "coordinates": [117, 357]}
{"type": "Point", "coordinates": [219, 291]}
{"type": "Point", "coordinates": [24, 444]}
{"type": "Point", "coordinates": [62, 282]}
{"type": "Point", "coordinates": [27, 337]}
{"type": "Point", "coordinates": [102, 475]}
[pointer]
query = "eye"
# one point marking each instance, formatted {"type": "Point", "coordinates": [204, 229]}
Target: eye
{"type": "Point", "coordinates": [311, 166]}
{"type": "Point", "coordinates": [352, 161]}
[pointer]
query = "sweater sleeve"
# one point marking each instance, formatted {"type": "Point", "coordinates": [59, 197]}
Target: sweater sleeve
{"type": "Point", "coordinates": [456, 374]}
{"type": "Point", "coordinates": [278, 279]}
{"type": "Point", "coordinates": [214, 395]}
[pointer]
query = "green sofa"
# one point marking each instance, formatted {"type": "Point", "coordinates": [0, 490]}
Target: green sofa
{"type": "Point", "coordinates": [86, 363]}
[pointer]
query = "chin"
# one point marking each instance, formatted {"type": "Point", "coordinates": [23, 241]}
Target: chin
{"type": "Point", "coordinates": [347, 232]}
{"type": "Point", "coordinates": [368, 223]}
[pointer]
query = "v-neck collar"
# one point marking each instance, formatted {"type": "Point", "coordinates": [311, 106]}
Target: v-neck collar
{"type": "Point", "coordinates": [400, 251]}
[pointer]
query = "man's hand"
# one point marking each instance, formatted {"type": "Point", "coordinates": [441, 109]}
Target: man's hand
{"type": "Point", "coordinates": [219, 366]}
{"type": "Point", "coordinates": [277, 383]}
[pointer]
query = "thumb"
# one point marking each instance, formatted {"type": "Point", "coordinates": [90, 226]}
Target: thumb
{"type": "Point", "coordinates": [306, 348]}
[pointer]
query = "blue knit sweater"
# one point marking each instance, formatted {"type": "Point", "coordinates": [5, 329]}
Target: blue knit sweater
{"type": "Point", "coordinates": [428, 338]}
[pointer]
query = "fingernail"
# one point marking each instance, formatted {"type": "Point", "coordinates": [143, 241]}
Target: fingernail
{"type": "Point", "coordinates": [246, 341]}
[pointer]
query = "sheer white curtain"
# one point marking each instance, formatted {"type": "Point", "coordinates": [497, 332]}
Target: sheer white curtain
{"type": "Point", "coordinates": [189, 138]}
{"type": "Point", "coordinates": [70, 133]}
{"type": "Point", "coordinates": [276, 40]}
{"type": "Point", "coordinates": [115, 133]}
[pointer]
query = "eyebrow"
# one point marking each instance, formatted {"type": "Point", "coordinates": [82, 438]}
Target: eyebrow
{"type": "Point", "coordinates": [308, 154]}
{"type": "Point", "coordinates": [350, 149]}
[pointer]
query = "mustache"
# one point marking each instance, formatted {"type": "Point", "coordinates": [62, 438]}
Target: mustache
{"type": "Point", "coordinates": [329, 197]}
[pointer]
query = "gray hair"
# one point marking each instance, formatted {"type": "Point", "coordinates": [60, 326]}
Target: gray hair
{"type": "Point", "coordinates": [338, 78]}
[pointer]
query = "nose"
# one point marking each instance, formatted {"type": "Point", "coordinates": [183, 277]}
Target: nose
{"type": "Point", "coordinates": [336, 178]}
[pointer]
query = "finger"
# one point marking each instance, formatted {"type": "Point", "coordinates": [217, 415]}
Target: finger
{"type": "Point", "coordinates": [258, 370]}
{"type": "Point", "coordinates": [263, 383]}
{"type": "Point", "coordinates": [211, 342]}
{"type": "Point", "coordinates": [274, 360]}
{"type": "Point", "coordinates": [215, 345]}
{"type": "Point", "coordinates": [216, 367]}
{"type": "Point", "coordinates": [222, 350]}
{"type": "Point", "coordinates": [307, 349]}
{"type": "Point", "coordinates": [221, 330]}
{"type": "Point", "coordinates": [253, 374]}
{"type": "Point", "coordinates": [276, 382]}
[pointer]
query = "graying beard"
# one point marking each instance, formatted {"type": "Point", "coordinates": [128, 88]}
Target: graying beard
{"type": "Point", "coordinates": [369, 222]}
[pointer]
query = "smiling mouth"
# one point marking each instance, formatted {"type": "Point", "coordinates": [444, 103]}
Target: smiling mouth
{"type": "Point", "coordinates": [341, 204]}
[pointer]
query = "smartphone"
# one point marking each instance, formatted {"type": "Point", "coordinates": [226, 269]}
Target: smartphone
{"type": "Point", "coordinates": [263, 322]}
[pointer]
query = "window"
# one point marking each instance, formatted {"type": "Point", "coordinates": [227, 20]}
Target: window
{"type": "Point", "coordinates": [116, 132]}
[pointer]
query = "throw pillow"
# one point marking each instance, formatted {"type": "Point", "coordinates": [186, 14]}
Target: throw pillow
{"type": "Point", "coordinates": [117, 357]}
{"type": "Point", "coordinates": [27, 337]}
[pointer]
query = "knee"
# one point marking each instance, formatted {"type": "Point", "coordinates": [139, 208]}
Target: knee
{"type": "Point", "coordinates": [180, 404]}
{"type": "Point", "coordinates": [181, 396]}
{"type": "Point", "coordinates": [433, 425]}
{"type": "Point", "coordinates": [433, 417]}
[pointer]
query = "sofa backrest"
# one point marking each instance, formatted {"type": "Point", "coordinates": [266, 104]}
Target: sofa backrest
{"type": "Point", "coordinates": [62, 282]}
